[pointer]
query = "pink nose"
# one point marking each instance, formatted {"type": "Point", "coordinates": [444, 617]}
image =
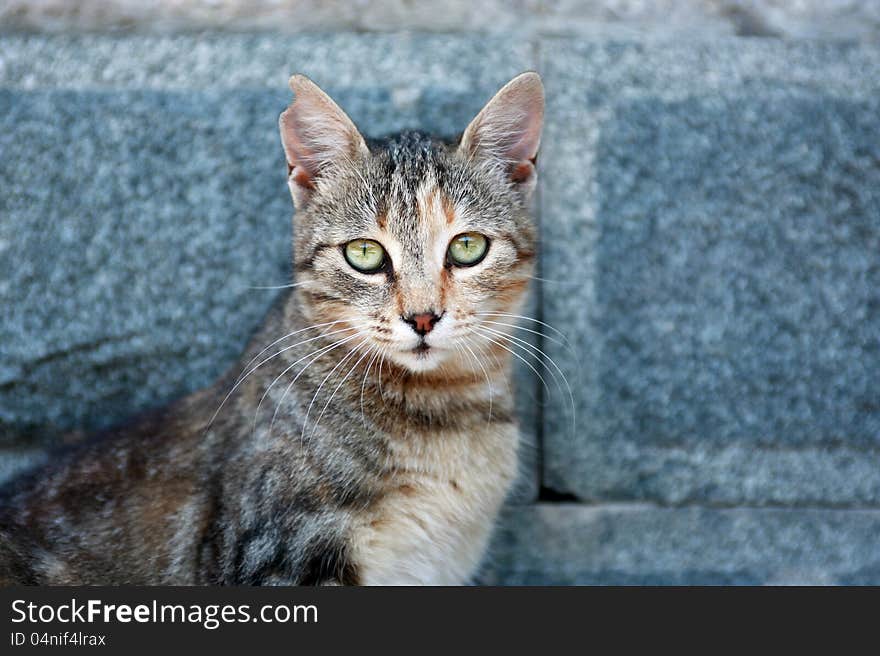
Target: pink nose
{"type": "Point", "coordinates": [423, 323]}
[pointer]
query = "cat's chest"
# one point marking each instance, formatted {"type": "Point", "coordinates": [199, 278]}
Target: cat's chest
{"type": "Point", "coordinates": [432, 524]}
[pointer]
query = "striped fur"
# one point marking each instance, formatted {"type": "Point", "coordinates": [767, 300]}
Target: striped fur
{"type": "Point", "coordinates": [342, 448]}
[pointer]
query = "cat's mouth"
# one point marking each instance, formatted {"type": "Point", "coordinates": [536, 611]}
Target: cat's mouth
{"type": "Point", "coordinates": [422, 348]}
{"type": "Point", "coordinates": [422, 352]}
{"type": "Point", "coordinates": [421, 357]}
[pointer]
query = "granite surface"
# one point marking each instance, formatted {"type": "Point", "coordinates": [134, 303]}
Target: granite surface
{"type": "Point", "coordinates": [710, 217]}
{"type": "Point", "coordinates": [642, 544]}
{"type": "Point", "coordinates": [723, 296]}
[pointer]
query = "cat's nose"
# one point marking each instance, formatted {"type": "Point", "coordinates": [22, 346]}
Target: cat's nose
{"type": "Point", "coordinates": [422, 323]}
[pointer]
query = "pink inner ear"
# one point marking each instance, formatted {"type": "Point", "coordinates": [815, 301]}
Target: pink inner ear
{"type": "Point", "coordinates": [522, 171]}
{"type": "Point", "coordinates": [315, 132]}
{"type": "Point", "coordinates": [298, 154]}
{"type": "Point", "coordinates": [524, 146]}
{"type": "Point", "coordinates": [300, 176]}
{"type": "Point", "coordinates": [509, 127]}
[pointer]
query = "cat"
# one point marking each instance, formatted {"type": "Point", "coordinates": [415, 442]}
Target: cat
{"type": "Point", "coordinates": [368, 433]}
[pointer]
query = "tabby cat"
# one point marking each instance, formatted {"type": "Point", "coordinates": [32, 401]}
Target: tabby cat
{"type": "Point", "coordinates": [367, 435]}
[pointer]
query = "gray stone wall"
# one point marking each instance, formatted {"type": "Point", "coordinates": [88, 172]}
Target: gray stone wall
{"type": "Point", "coordinates": [710, 217]}
{"type": "Point", "coordinates": [801, 19]}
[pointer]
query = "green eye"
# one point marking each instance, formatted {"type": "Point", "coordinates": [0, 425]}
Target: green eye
{"type": "Point", "coordinates": [468, 248]}
{"type": "Point", "coordinates": [365, 255]}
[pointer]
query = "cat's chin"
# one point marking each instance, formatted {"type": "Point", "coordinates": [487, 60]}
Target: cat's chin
{"type": "Point", "coordinates": [420, 360]}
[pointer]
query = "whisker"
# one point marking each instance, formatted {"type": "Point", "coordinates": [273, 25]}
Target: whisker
{"type": "Point", "coordinates": [381, 362]}
{"type": "Point", "coordinates": [523, 344]}
{"type": "Point", "coordinates": [494, 358]}
{"type": "Point", "coordinates": [319, 352]}
{"type": "Point", "coordinates": [281, 339]}
{"type": "Point", "coordinates": [290, 286]}
{"type": "Point", "coordinates": [546, 357]}
{"type": "Point", "coordinates": [515, 354]}
{"type": "Point", "coordinates": [241, 378]}
{"type": "Point", "coordinates": [528, 330]}
{"type": "Point", "coordinates": [555, 282]}
{"type": "Point", "coordinates": [486, 374]}
{"type": "Point", "coordinates": [342, 382]}
{"type": "Point", "coordinates": [522, 316]}
{"type": "Point", "coordinates": [376, 353]}
{"type": "Point", "coordinates": [320, 387]}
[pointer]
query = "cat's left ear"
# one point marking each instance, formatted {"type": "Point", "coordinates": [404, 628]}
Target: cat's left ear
{"type": "Point", "coordinates": [507, 132]}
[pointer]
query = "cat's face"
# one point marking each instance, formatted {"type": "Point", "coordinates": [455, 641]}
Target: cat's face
{"type": "Point", "coordinates": [420, 246]}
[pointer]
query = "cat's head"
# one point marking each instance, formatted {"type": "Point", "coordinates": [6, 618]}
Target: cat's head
{"type": "Point", "coordinates": [419, 243]}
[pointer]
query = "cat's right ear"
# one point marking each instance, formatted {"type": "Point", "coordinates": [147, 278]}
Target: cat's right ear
{"type": "Point", "coordinates": [317, 135]}
{"type": "Point", "coordinates": [507, 132]}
